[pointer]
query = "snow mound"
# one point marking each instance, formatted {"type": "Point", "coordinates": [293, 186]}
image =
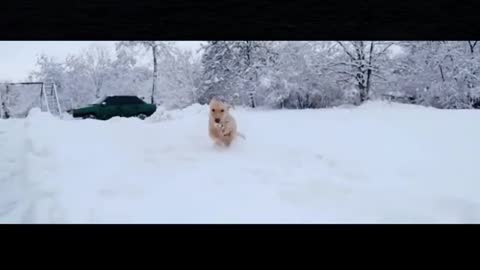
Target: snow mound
{"type": "Point", "coordinates": [66, 116]}
{"type": "Point", "coordinates": [376, 105]}
{"type": "Point", "coordinates": [194, 109]}
{"type": "Point", "coordinates": [35, 114]}
{"type": "Point", "coordinates": [160, 115]}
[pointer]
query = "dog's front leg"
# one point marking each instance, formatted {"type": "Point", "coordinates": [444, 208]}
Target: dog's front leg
{"type": "Point", "coordinates": [221, 127]}
{"type": "Point", "coordinates": [218, 143]}
{"type": "Point", "coordinates": [226, 131]}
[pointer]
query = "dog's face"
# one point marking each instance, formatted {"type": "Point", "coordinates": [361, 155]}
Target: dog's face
{"type": "Point", "coordinates": [218, 110]}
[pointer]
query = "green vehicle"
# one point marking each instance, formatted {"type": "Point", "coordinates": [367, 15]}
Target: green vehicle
{"type": "Point", "coordinates": [112, 106]}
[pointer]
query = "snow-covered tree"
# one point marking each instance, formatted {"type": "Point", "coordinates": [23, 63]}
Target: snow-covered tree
{"type": "Point", "coordinates": [159, 50]}
{"type": "Point", "coordinates": [300, 78]}
{"type": "Point", "coordinates": [97, 62]}
{"type": "Point", "coordinates": [128, 77]}
{"type": "Point", "coordinates": [280, 74]}
{"type": "Point", "coordinates": [179, 79]}
{"type": "Point", "coordinates": [439, 74]}
{"type": "Point", "coordinates": [49, 69]}
{"type": "Point", "coordinates": [361, 63]}
{"type": "Point", "coordinates": [291, 73]}
{"type": "Point", "coordinates": [251, 60]}
{"type": "Point", "coordinates": [86, 75]}
{"type": "Point", "coordinates": [235, 70]}
{"type": "Point", "coordinates": [218, 72]}
{"type": "Point", "coordinates": [52, 70]}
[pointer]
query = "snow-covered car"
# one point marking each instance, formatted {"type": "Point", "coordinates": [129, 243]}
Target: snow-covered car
{"type": "Point", "coordinates": [112, 106]}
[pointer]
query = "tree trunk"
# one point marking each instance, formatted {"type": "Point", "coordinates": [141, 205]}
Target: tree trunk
{"type": "Point", "coordinates": [441, 72]}
{"type": "Point", "coordinates": [299, 102]}
{"type": "Point", "coordinates": [252, 99]}
{"type": "Point", "coordinates": [6, 115]}
{"type": "Point", "coordinates": [249, 74]}
{"type": "Point", "coordinates": [362, 70]}
{"type": "Point", "coordinates": [97, 93]}
{"type": "Point", "coordinates": [369, 71]}
{"type": "Point", "coordinates": [363, 96]}
{"type": "Point", "coordinates": [248, 53]}
{"type": "Point", "coordinates": [472, 46]}
{"type": "Point", "coordinates": [155, 73]}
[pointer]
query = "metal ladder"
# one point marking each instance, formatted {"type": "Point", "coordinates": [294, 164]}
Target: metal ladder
{"type": "Point", "coordinates": [49, 98]}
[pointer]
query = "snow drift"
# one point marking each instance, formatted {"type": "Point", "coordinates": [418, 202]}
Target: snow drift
{"type": "Point", "coordinates": [378, 163]}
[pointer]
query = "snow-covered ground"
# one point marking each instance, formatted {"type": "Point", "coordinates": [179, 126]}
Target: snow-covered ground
{"type": "Point", "coordinates": [378, 163]}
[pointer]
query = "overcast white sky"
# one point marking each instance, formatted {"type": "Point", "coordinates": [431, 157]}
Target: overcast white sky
{"type": "Point", "coordinates": [18, 58]}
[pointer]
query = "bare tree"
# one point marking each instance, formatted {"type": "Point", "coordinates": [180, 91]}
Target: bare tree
{"type": "Point", "coordinates": [362, 62]}
{"type": "Point", "coordinates": [99, 64]}
{"type": "Point", "coordinates": [472, 45]}
{"type": "Point", "coordinates": [158, 49]}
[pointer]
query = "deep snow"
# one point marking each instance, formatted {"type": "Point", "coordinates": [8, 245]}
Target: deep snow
{"type": "Point", "coordinates": [378, 163]}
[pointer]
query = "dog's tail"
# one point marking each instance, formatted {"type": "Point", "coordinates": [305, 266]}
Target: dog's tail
{"type": "Point", "coordinates": [241, 135]}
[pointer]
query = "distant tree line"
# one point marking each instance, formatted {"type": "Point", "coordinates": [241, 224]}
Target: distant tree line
{"type": "Point", "coordinates": [273, 74]}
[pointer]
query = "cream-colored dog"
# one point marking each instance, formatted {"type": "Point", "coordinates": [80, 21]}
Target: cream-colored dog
{"type": "Point", "coordinates": [222, 126]}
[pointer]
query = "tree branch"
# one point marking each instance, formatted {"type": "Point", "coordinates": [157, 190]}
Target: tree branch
{"type": "Point", "coordinates": [346, 51]}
